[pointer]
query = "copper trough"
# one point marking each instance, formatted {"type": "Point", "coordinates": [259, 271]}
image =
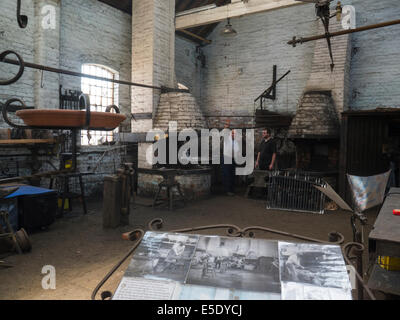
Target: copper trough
{"type": "Point", "coordinates": [70, 118]}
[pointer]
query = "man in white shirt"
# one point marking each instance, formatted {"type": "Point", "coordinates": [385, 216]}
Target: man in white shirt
{"type": "Point", "coordinates": [231, 148]}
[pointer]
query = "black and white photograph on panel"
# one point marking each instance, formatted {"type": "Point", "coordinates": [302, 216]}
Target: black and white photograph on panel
{"type": "Point", "coordinates": [316, 264]}
{"type": "Point", "coordinates": [163, 256]}
{"type": "Point", "coordinates": [236, 263]}
{"type": "Point", "coordinates": [302, 291]}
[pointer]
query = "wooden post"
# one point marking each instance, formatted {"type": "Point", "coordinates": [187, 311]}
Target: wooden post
{"type": "Point", "coordinates": [112, 202]}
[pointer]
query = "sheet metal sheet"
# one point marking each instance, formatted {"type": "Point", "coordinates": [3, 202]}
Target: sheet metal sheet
{"type": "Point", "coordinates": [368, 192]}
{"type": "Point", "coordinates": [331, 194]}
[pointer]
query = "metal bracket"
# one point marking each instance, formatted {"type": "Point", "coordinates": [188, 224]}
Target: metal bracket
{"type": "Point", "coordinates": [142, 116]}
{"type": "Point", "coordinates": [270, 93]}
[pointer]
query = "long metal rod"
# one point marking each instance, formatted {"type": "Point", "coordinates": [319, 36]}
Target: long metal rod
{"type": "Point", "coordinates": [343, 32]}
{"type": "Point", "coordinates": [83, 75]}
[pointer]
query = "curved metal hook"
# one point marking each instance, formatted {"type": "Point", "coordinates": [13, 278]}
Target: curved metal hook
{"type": "Point", "coordinates": [22, 19]}
{"type": "Point", "coordinates": [5, 116]}
{"type": "Point", "coordinates": [109, 108]}
{"type": "Point", "coordinates": [155, 224]}
{"type": "Point", "coordinates": [358, 248]}
{"type": "Point", "coordinates": [105, 295]}
{"type": "Point", "coordinates": [232, 230]}
{"type": "Point", "coordinates": [336, 237]}
{"type": "Point", "coordinates": [84, 103]}
{"type": "Point", "coordinates": [21, 62]}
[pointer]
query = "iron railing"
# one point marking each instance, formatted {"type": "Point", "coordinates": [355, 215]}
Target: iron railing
{"type": "Point", "coordinates": [295, 191]}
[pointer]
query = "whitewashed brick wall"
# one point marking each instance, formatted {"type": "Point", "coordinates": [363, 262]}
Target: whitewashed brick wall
{"type": "Point", "coordinates": [93, 32]}
{"type": "Point", "coordinates": [240, 68]}
{"type": "Point", "coordinates": [237, 69]}
{"type": "Point", "coordinates": [188, 69]}
{"type": "Point", "coordinates": [21, 41]}
{"type": "Point", "coordinates": [375, 68]}
{"type": "Point", "coordinates": [87, 31]}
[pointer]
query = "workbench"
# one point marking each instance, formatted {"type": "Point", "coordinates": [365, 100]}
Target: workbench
{"type": "Point", "coordinates": [384, 240]}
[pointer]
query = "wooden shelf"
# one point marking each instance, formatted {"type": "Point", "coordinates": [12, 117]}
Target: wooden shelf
{"type": "Point", "coordinates": [26, 141]}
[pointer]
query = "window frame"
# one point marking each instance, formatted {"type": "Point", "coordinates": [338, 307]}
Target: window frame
{"type": "Point", "coordinates": [113, 96]}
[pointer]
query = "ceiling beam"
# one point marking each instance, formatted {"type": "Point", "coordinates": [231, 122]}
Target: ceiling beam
{"type": "Point", "coordinates": [237, 8]}
{"type": "Point", "coordinates": [195, 36]}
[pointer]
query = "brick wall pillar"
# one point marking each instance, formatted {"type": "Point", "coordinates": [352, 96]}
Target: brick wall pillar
{"type": "Point", "coordinates": [321, 77]}
{"type": "Point", "coordinates": [47, 52]}
{"type": "Point", "coordinates": [153, 59]}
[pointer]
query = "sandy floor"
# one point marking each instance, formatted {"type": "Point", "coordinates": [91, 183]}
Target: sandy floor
{"type": "Point", "coordinates": [83, 252]}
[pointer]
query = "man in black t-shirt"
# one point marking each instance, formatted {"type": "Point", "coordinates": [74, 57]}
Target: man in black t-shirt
{"type": "Point", "coordinates": [267, 152]}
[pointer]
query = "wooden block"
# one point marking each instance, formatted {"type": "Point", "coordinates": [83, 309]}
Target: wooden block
{"type": "Point", "coordinates": [5, 134]}
{"type": "Point", "coordinates": [112, 202]}
{"type": "Point", "coordinates": [28, 133]}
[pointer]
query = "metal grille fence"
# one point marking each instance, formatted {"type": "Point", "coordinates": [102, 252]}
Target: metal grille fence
{"type": "Point", "coordinates": [295, 192]}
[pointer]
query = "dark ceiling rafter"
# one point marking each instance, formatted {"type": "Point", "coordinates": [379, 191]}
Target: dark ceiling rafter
{"type": "Point", "coordinates": [180, 5]}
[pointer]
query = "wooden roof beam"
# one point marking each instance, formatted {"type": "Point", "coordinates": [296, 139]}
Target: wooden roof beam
{"type": "Point", "coordinates": [195, 36]}
{"type": "Point", "coordinates": [237, 8]}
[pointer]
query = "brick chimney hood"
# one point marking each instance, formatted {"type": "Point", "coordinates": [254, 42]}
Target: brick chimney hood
{"type": "Point", "coordinates": [182, 108]}
{"type": "Point", "coordinates": [316, 117]}
{"type": "Point", "coordinates": [326, 93]}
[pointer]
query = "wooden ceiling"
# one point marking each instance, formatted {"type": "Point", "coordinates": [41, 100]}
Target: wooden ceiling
{"type": "Point", "coordinates": [180, 5]}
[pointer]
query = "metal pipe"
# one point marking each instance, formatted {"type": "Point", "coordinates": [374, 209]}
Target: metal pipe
{"type": "Point", "coordinates": [294, 41]}
{"type": "Point", "coordinates": [83, 75]}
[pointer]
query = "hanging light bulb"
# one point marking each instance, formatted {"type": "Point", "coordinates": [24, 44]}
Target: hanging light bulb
{"type": "Point", "coordinates": [228, 30]}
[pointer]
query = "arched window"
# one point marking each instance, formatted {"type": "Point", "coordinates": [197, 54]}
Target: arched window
{"type": "Point", "coordinates": [102, 94]}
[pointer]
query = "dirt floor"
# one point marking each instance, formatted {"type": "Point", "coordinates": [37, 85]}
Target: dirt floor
{"type": "Point", "coordinates": [82, 252]}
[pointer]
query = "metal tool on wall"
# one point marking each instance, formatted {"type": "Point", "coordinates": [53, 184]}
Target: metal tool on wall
{"type": "Point", "coordinates": [22, 19]}
{"type": "Point", "coordinates": [323, 13]}
{"type": "Point", "coordinates": [270, 93]}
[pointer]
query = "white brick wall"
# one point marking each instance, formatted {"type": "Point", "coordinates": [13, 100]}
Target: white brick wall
{"type": "Point", "coordinates": [47, 52]}
{"type": "Point", "coordinates": [88, 31]}
{"type": "Point", "coordinates": [375, 68]}
{"type": "Point", "coordinates": [21, 41]}
{"type": "Point", "coordinates": [188, 69]}
{"type": "Point", "coordinates": [93, 32]}
{"type": "Point", "coordinates": [240, 68]}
